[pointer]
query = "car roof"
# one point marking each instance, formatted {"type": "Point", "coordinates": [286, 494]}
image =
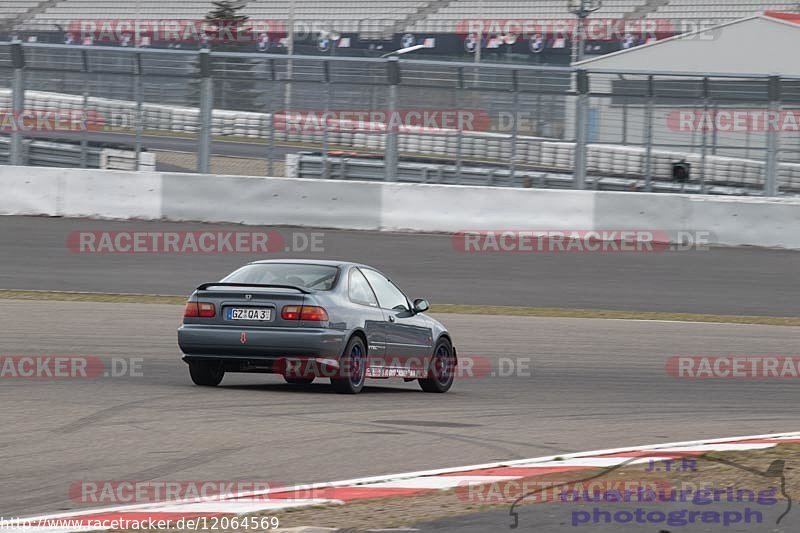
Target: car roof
{"type": "Point", "coordinates": [321, 262]}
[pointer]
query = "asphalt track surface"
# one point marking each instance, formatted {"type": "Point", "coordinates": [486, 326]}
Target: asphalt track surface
{"type": "Point", "coordinates": [557, 385]}
{"type": "Point", "coordinates": [729, 281]}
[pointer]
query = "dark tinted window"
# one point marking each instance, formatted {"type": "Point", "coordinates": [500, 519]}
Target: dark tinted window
{"type": "Point", "coordinates": [319, 277]}
{"type": "Point", "coordinates": [359, 291]}
{"type": "Point", "coordinates": [389, 296]}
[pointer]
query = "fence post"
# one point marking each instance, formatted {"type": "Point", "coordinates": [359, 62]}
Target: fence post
{"type": "Point", "coordinates": [581, 123]}
{"type": "Point", "coordinates": [539, 112]}
{"type": "Point", "coordinates": [271, 122]}
{"type": "Point", "coordinates": [515, 126]}
{"type": "Point", "coordinates": [390, 154]}
{"type": "Point", "coordinates": [206, 106]}
{"type": "Point", "coordinates": [771, 167]}
{"type": "Point", "coordinates": [714, 133]}
{"type": "Point", "coordinates": [16, 155]}
{"type": "Point", "coordinates": [326, 163]}
{"type": "Point", "coordinates": [648, 136]}
{"type": "Point", "coordinates": [704, 148]}
{"type": "Point", "coordinates": [85, 109]}
{"type": "Point", "coordinates": [460, 135]}
{"type": "Point", "coordinates": [624, 140]}
{"type": "Point", "coordinates": [139, 95]}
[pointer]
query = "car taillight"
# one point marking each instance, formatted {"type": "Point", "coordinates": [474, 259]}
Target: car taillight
{"type": "Point", "coordinates": [199, 310]}
{"type": "Point", "coordinates": [312, 313]}
{"type": "Point", "coordinates": [308, 313]}
{"type": "Point", "coordinates": [291, 312]}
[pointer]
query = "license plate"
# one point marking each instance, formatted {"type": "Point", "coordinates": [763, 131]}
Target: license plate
{"type": "Point", "coordinates": [249, 313]}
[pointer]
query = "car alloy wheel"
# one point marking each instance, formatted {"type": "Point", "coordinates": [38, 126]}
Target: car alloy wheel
{"type": "Point", "coordinates": [352, 367]}
{"type": "Point", "coordinates": [441, 372]}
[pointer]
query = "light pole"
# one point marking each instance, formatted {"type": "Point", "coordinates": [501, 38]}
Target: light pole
{"type": "Point", "coordinates": [581, 9]}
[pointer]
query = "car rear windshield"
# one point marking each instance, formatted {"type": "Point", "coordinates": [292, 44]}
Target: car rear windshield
{"type": "Point", "coordinates": [318, 277]}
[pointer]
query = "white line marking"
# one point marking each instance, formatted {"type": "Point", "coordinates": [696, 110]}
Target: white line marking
{"type": "Point", "coordinates": [592, 462]}
{"type": "Point", "coordinates": [439, 482]}
{"type": "Point", "coordinates": [719, 447]}
{"type": "Point", "coordinates": [237, 507]}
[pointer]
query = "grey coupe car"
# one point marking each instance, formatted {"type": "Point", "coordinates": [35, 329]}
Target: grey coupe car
{"type": "Point", "coordinates": [314, 319]}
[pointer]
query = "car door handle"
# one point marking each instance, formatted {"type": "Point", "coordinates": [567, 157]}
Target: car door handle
{"type": "Point", "coordinates": [391, 319]}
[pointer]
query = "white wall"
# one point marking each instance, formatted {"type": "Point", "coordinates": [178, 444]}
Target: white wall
{"type": "Point", "coordinates": [79, 193]}
{"type": "Point", "coordinates": [733, 221]}
{"type": "Point", "coordinates": [453, 208]}
{"type": "Point", "coordinates": [272, 201]}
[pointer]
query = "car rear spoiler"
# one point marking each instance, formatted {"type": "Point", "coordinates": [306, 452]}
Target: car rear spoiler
{"type": "Point", "coordinates": [205, 286]}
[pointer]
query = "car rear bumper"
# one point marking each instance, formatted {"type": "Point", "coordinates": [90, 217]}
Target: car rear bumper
{"type": "Point", "coordinates": [269, 344]}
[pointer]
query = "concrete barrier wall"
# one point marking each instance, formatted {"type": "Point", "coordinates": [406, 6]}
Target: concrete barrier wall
{"type": "Point", "coordinates": [28, 191]}
{"type": "Point", "coordinates": [80, 192]}
{"type": "Point", "coordinates": [453, 208]}
{"type": "Point", "coordinates": [770, 223]}
{"type": "Point", "coordinates": [730, 221]}
{"type": "Point", "coordinates": [272, 201]}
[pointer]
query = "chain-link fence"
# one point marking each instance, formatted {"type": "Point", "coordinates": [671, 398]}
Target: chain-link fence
{"type": "Point", "coordinates": [512, 125]}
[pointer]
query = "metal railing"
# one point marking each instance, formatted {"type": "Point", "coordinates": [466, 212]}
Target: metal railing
{"type": "Point", "coordinates": [315, 166]}
{"type": "Point", "coordinates": [734, 132]}
{"type": "Point", "coordinates": [61, 154]}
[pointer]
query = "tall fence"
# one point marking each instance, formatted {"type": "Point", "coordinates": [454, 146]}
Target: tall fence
{"type": "Point", "coordinates": [217, 111]}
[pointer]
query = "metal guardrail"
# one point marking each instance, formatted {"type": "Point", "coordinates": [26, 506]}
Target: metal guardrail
{"type": "Point", "coordinates": [41, 153]}
{"type": "Point", "coordinates": [51, 154]}
{"type": "Point", "coordinates": [317, 166]}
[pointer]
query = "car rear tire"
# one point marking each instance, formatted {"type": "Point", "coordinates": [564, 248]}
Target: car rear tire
{"type": "Point", "coordinates": [299, 381]}
{"type": "Point", "coordinates": [352, 368]}
{"type": "Point", "coordinates": [441, 372]}
{"type": "Point", "coordinates": [206, 373]}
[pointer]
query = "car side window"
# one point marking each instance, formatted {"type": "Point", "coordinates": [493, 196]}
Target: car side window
{"type": "Point", "coordinates": [389, 296]}
{"type": "Point", "coordinates": [360, 291]}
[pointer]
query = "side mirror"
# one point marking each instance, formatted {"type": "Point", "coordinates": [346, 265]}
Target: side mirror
{"type": "Point", "coordinates": [420, 305]}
